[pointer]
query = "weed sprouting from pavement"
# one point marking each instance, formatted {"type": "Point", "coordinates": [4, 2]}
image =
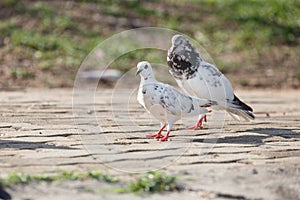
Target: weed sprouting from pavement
{"type": "Point", "coordinates": [102, 177]}
{"type": "Point", "coordinates": [151, 182]}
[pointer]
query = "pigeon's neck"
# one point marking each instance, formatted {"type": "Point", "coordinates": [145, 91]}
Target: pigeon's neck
{"type": "Point", "coordinates": [147, 79]}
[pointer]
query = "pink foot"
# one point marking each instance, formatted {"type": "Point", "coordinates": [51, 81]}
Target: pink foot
{"type": "Point", "coordinates": [165, 138]}
{"type": "Point", "coordinates": [199, 124]}
{"type": "Point", "coordinates": [158, 134]}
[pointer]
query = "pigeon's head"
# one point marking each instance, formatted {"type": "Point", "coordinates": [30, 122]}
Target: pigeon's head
{"type": "Point", "coordinates": [182, 54]}
{"type": "Point", "coordinates": [144, 69]}
{"type": "Point", "coordinates": [179, 40]}
{"type": "Point", "coordinates": [181, 46]}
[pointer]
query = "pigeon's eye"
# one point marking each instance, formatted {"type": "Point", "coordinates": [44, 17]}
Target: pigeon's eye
{"type": "Point", "coordinates": [146, 66]}
{"type": "Point", "coordinates": [179, 41]}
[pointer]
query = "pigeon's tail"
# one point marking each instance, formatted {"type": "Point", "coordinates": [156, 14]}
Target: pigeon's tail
{"type": "Point", "coordinates": [245, 114]}
{"type": "Point", "coordinates": [236, 101]}
{"type": "Point", "coordinates": [237, 107]}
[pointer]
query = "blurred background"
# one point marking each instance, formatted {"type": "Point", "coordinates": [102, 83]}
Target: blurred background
{"type": "Point", "coordinates": [256, 43]}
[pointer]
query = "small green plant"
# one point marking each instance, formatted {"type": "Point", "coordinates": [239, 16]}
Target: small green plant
{"type": "Point", "coordinates": [102, 177]}
{"type": "Point", "coordinates": [153, 181]}
{"type": "Point", "coordinates": [66, 175]}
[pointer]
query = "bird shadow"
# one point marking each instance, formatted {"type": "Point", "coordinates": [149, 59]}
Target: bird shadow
{"type": "Point", "coordinates": [3, 194]}
{"type": "Point", "coordinates": [29, 145]}
{"type": "Point", "coordinates": [286, 133]}
{"type": "Point", "coordinates": [253, 139]}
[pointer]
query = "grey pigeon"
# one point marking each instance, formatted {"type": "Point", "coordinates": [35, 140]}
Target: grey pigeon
{"type": "Point", "coordinates": [203, 80]}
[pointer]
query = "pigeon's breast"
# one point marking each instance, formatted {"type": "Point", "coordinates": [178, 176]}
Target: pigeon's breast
{"type": "Point", "coordinates": [151, 94]}
{"type": "Point", "coordinates": [180, 67]}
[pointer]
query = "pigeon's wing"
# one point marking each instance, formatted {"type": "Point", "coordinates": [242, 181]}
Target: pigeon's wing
{"type": "Point", "coordinates": [176, 102]}
{"type": "Point", "coordinates": [220, 89]}
{"type": "Point", "coordinates": [181, 104]}
{"type": "Point", "coordinates": [212, 86]}
{"type": "Point", "coordinates": [218, 86]}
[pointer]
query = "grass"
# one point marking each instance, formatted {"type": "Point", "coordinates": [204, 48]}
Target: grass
{"type": "Point", "coordinates": [274, 21]}
{"type": "Point", "coordinates": [147, 183]}
{"type": "Point", "coordinates": [102, 177]}
{"type": "Point", "coordinates": [23, 178]}
{"type": "Point", "coordinates": [35, 40]}
{"type": "Point", "coordinates": [57, 37]}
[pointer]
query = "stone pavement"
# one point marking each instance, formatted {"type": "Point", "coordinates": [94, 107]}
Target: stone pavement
{"type": "Point", "coordinates": [240, 160]}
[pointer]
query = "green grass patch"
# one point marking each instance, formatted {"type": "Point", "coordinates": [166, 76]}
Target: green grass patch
{"type": "Point", "coordinates": [102, 177]}
{"type": "Point", "coordinates": [36, 9]}
{"type": "Point", "coordinates": [153, 181]}
{"type": "Point", "coordinates": [23, 178]}
{"type": "Point", "coordinates": [144, 184]}
{"type": "Point", "coordinates": [254, 22]}
{"type": "Point", "coordinates": [57, 36]}
{"type": "Point", "coordinates": [35, 40]}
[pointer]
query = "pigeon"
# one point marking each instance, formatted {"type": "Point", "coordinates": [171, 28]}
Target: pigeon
{"type": "Point", "coordinates": [165, 102]}
{"type": "Point", "coordinates": [203, 80]}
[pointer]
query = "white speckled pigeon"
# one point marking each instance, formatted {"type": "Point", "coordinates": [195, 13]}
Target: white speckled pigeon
{"type": "Point", "coordinates": [165, 102]}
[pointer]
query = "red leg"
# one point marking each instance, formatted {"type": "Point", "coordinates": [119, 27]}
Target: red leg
{"type": "Point", "coordinates": [204, 117]}
{"type": "Point", "coordinates": [166, 137]}
{"type": "Point", "coordinates": [199, 124]}
{"type": "Point", "coordinates": [158, 134]}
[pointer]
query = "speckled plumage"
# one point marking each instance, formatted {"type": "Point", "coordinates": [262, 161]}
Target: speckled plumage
{"type": "Point", "coordinates": [202, 79]}
{"type": "Point", "coordinates": [165, 102]}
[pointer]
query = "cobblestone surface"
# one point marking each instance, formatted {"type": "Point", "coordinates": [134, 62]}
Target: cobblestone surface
{"type": "Point", "coordinates": [242, 160]}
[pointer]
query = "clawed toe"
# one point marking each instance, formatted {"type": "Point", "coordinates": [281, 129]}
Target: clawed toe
{"type": "Point", "coordinates": [164, 139]}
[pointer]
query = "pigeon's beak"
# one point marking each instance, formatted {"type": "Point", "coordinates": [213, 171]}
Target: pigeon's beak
{"type": "Point", "coordinates": [138, 71]}
{"type": "Point", "coordinates": [173, 47]}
